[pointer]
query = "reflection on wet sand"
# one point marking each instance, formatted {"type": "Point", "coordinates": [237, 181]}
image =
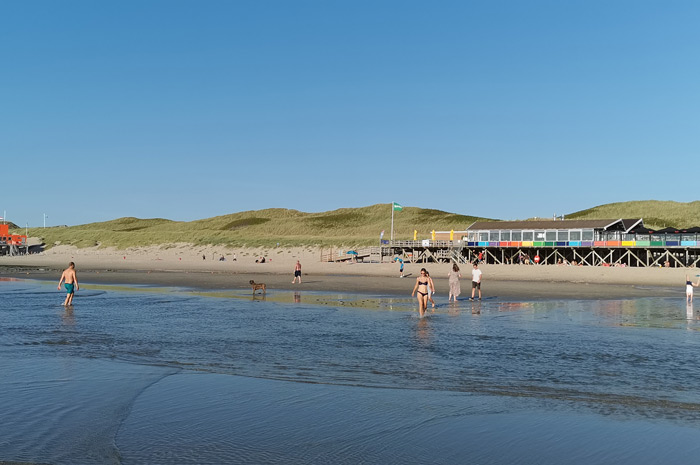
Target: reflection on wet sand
{"type": "Point", "coordinates": [68, 317]}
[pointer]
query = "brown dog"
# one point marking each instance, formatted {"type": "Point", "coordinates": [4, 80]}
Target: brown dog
{"type": "Point", "coordinates": [257, 286]}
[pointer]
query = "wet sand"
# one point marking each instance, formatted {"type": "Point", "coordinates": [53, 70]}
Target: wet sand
{"type": "Point", "coordinates": [183, 266]}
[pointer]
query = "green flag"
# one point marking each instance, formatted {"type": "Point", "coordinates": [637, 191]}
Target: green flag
{"type": "Point", "coordinates": [397, 207]}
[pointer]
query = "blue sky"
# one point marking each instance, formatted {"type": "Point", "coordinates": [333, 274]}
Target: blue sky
{"type": "Point", "coordinates": [187, 110]}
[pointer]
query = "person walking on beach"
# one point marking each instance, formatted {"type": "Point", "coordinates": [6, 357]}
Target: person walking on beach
{"type": "Point", "coordinates": [421, 288]}
{"type": "Point", "coordinates": [476, 281]}
{"type": "Point", "coordinates": [453, 277]}
{"type": "Point", "coordinates": [70, 280]}
{"type": "Point", "coordinates": [431, 289]}
{"type": "Point", "coordinates": [397, 259]}
{"type": "Point", "coordinates": [689, 288]}
{"type": "Point", "coordinates": [297, 272]}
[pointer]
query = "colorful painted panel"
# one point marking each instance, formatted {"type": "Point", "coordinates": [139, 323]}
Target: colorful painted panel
{"type": "Point", "coordinates": [628, 243]}
{"type": "Point", "coordinates": [561, 243]}
{"type": "Point", "coordinates": [643, 243]}
{"type": "Point", "coordinates": [658, 243]}
{"type": "Point", "coordinates": [689, 243]}
{"type": "Point", "coordinates": [492, 244]}
{"type": "Point", "coordinates": [538, 244]}
{"type": "Point", "coordinates": [526, 243]}
{"type": "Point", "coordinates": [574, 243]}
{"type": "Point", "coordinates": [586, 244]}
{"type": "Point", "coordinates": [599, 243]}
{"type": "Point", "coordinates": [548, 244]}
{"type": "Point", "coordinates": [672, 243]}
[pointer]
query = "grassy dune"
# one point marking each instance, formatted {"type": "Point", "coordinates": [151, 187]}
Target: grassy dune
{"type": "Point", "coordinates": [261, 228]}
{"type": "Point", "coordinates": [656, 213]}
{"type": "Point", "coordinates": [346, 226]}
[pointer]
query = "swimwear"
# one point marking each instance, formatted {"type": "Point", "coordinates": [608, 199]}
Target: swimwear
{"type": "Point", "coordinates": [297, 273]}
{"type": "Point", "coordinates": [423, 283]}
{"type": "Point", "coordinates": [69, 288]}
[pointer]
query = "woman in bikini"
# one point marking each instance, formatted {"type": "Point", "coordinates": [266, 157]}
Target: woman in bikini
{"type": "Point", "coordinates": [421, 288]}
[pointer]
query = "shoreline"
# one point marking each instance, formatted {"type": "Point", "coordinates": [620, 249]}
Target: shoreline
{"type": "Point", "coordinates": [183, 266]}
{"type": "Point", "coordinates": [351, 284]}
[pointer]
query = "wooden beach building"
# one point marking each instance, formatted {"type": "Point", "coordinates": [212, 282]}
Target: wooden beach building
{"type": "Point", "coordinates": [606, 242]}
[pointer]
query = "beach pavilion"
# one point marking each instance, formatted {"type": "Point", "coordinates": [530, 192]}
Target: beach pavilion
{"type": "Point", "coordinates": [606, 242]}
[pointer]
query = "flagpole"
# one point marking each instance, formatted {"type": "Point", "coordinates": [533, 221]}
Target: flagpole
{"type": "Point", "coordinates": [392, 222]}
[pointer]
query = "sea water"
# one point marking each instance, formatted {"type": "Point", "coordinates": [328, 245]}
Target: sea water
{"type": "Point", "coordinates": [166, 375]}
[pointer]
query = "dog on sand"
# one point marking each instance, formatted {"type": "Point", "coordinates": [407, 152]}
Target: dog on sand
{"type": "Point", "coordinates": [257, 286]}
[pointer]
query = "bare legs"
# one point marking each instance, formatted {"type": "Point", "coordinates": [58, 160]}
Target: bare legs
{"type": "Point", "coordinates": [422, 303]}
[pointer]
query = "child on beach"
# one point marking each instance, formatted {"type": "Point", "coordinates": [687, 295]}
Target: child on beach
{"type": "Point", "coordinates": [689, 288]}
{"type": "Point", "coordinates": [476, 281]}
{"type": "Point", "coordinates": [71, 283]}
{"type": "Point", "coordinates": [400, 267]}
{"type": "Point", "coordinates": [431, 289]}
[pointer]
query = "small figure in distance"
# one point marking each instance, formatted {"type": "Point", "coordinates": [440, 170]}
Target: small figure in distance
{"type": "Point", "coordinates": [476, 281]}
{"type": "Point", "coordinates": [400, 260]}
{"type": "Point", "coordinates": [689, 285]}
{"type": "Point", "coordinates": [70, 280]}
{"type": "Point", "coordinates": [297, 272]}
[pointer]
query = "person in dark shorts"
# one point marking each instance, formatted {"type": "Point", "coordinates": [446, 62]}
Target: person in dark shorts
{"type": "Point", "coordinates": [476, 281]}
{"type": "Point", "coordinates": [70, 281]}
{"type": "Point", "coordinates": [297, 272]}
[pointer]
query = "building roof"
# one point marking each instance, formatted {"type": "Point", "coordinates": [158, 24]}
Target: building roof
{"type": "Point", "coordinates": [618, 224]}
{"type": "Point", "coordinates": [632, 223]}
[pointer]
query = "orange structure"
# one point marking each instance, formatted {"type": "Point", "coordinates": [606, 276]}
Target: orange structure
{"type": "Point", "coordinates": [10, 243]}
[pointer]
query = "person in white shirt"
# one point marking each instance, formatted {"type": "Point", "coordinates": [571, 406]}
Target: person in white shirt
{"type": "Point", "coordinates": [476, 281]}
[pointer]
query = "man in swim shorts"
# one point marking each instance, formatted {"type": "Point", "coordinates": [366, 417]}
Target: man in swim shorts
{"type": "Point", "coordinates": [71, 283]}
{"type": "Point", "coordinates": [297, 272]}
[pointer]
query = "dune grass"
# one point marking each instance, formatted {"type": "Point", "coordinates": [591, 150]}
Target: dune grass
{"type": "Point", "coordinates": [657, 214]}
{"type": "Point", "coordinates": [349, 227]}
{"type": "Point", "coordinates": [261, 228]}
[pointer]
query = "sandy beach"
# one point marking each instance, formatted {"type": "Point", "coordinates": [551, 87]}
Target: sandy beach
{"type": "Point", "coordinates": [557, 364]}
{"type": "Point", "coordinates": [183, 265]}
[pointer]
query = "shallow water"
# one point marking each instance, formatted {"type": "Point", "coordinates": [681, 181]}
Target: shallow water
{"type": "Point", "coordinates": [141, 365]}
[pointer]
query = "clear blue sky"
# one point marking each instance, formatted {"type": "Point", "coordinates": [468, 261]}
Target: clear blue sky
{"type": "Point", "coordinates": [192, 109]}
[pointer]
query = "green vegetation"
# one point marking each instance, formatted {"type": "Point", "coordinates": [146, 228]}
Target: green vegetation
{"type": "Point", "coordinates": [261, 228]}
{"type": "Point", "coordinates": [656, 213]}
{"type": "Point", "coordinates": [346, 226]}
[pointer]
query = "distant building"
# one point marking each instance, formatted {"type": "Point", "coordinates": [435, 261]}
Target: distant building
{"type": "Point", "coordinates": [11, 243]}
